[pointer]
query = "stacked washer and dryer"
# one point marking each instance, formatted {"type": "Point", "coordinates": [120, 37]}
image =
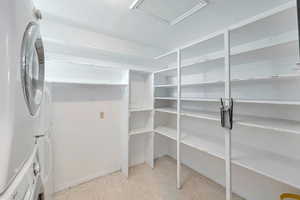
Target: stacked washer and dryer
{"type": "Point", "coordinates": [44, 142]}
{"type": "Point", "coordinates": [22, 155]}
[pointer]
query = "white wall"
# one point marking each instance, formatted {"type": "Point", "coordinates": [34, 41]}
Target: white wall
{"type": "Point", "coordinates": [86, 146]}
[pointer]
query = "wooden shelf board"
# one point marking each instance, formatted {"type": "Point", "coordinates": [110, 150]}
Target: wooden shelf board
{"type": "Point", "coordinates": [268, 164]}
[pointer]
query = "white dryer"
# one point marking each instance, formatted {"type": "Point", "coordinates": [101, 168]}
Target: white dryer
{"type": "Point", "coordinates": [21, 85]}
{"type": "Point", "coordinates": [44, 141]}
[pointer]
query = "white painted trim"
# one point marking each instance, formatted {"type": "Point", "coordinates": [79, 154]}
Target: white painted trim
{"type": "Point", "coordinates": [79, 181]}
{"type": "Point", "coordinates": [178, 118]}
{"type": "Point", "coordinates": [227, 131]}
{"type": "Point", "coordinates": [125, 131]}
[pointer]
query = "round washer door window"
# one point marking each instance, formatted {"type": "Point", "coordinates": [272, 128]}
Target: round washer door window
{"type": "Point", "coordinates": [32, 67]}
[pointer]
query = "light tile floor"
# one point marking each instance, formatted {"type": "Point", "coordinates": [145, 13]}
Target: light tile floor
{"type": "Point", "coordinates": [145, 183]}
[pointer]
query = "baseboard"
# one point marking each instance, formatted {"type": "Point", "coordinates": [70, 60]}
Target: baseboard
{"type": "Point", "coordinates": [64, 186]}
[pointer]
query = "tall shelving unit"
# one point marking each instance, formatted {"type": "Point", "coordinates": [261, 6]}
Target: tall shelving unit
{"type": "Point", "coordinates": [254, 62]}
{"type": "Point", "coordinates": [140, 120]}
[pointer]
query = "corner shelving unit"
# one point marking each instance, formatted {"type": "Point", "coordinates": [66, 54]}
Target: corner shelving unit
{"type": "Point", "coordinates": [254, 62]}
{"type": "Point", "coordinates": [140, 118]}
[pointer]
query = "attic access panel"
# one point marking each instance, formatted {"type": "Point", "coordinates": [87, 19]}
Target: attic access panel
{"type": "Point", "coordinates": [169, 11]}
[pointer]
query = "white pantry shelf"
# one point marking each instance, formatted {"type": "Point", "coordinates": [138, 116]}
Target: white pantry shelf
{"type": "Point", "coordinates": [141, 109]}
{"type": "Point", "coordinates": [83, 82]}
{"type": "Point", "coordinates": [167, 110]}
{"type": "Point", "coordinates": [246, 53]}
{"type": "Point", "coordinates": [277, 167]}
{"type": "Point", "coordinates": [256, 79]}
{"type": "Point", "coordinates": [140, 131]}
{"type": "Point", "coordinates": [139, 115]}
{"type": "Point", "coordinates": [258, 50]}
{"type": "Point", "coordinates": [167, 71]}
{"type": "Point", "coordinates": [272, 102]}
{"type": "Point", "coordinates": [208, 115]}
{"type": "Point", "coordinates": [166, 86]}
{"type": "Point", "coordinates": [192, 113]}
{"type": "Point", "coordinates": [166, 98]}
{"type": "Point", "coordinates": [198, 99]}
{"type": "Point", "coordinates": [267, 46]}
{"type": "Point", "coordinates": [167, 132]}
{"type": "Point", "coordinates": [189, 99]}
{"type": "Point", "coordinates": [280, 125]}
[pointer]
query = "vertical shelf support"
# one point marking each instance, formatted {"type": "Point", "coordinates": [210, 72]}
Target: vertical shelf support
{"type": "Point", "coordinates": [125, 127]}
{"type": "Point", "coordinates": [178, 118]}
{"type": "Point", "coordinates": [227, 102]}
{"type": "Point", "coordinates": [152, 135]}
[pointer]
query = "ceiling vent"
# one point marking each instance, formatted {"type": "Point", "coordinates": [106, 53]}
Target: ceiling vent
{"type": "Point", "coordinates": [169, 11]}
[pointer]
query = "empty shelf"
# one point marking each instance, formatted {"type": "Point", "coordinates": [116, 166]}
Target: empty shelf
{"type": "Point", "coordinates": [259, 50]}
{"type": "Point", "coordinates": [167, 71]}
{"type": "Point", "coordinates": [280, 125]}
{"type": "Point", "coordinates": [140, 131]}
{"type": "Point", "coordinates": [201, 114]}
{"type": "Point", "coordinates": [140, 109]}
{"type": "Point", "coordinates": [167, 110]}
{"type": "Point", "coordinates": [199, 99]}
{"type": "Point", "coordinates": [275, 166]}
{"type": "Point", "coordinates": [86, 82]}
{"type": "Point", "coordinates": [203, 83]}
{"type": "Point", "coordinates": [272, 102]}
{"type": "Point", "coordinates": [192, 113]}
{"type": "Point", "coordinates": [166, 86]}
{"type": "Point", "coordinates": [167, 132]}
{"type": "Point", "coordinates": [271, 47]}
{"type": "Point", "coordinates": [269, 78]}
{"type": "Point", "coordinates": [166, 98]}
{"type": "Point", "coordinates": [256, 79]}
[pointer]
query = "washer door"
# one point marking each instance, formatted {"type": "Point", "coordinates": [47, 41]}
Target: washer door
{"type": "Point", "coordinates": [32, 67]}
